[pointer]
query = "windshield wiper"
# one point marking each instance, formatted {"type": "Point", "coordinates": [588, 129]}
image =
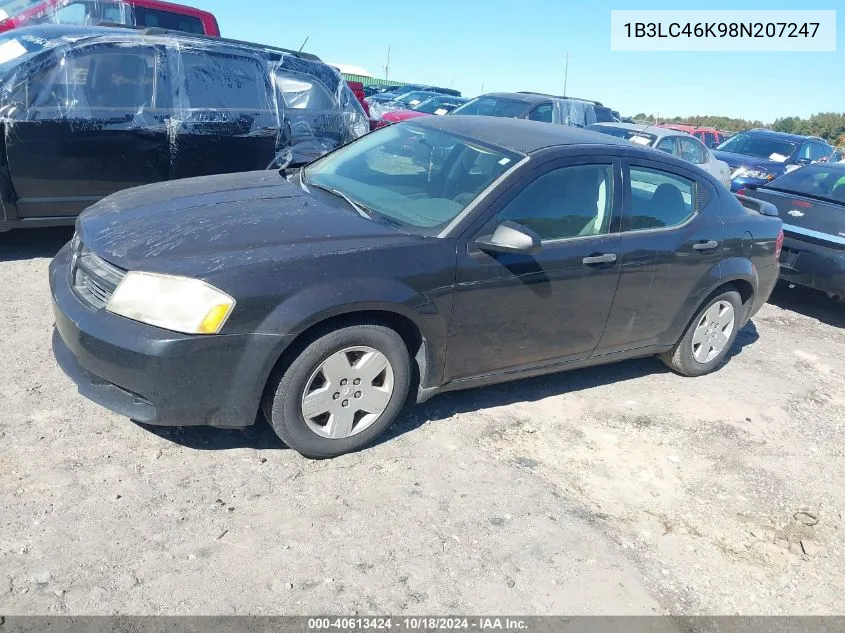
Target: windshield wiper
{"type": "Point", "coordinates": [359, 208]}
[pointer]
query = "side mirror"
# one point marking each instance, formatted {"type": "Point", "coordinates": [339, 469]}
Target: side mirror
{"type": "Point", "coordinates": [510, 237]}
{"type": "Point", "coordinates": [803, 161]}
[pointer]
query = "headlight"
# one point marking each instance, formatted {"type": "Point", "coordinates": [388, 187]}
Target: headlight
{"type": "Point", "coordinates": [181, 304]}
{"type": "Point", "coordinates": [756, 173]}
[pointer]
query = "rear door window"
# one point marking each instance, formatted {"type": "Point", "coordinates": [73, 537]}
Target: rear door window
{"type": "Point", "coordinates": [692, 151]}
{"type": "Point", "coordinates": [224, 82]}
{"type": "Point", "coordinates": [659, 199]}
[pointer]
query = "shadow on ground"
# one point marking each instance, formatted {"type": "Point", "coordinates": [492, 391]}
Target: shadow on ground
{"type": "Point", "coordinates": [21, 244]}
{"type": "Point", "coordinates": [808, 302]}
{"type": "Point", "coordinates": [261, 437]}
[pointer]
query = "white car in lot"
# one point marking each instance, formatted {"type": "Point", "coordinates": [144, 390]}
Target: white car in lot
{"type": "Point", "coordinates": [680, 144]}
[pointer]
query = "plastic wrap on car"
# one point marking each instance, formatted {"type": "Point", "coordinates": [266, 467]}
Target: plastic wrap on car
{"type": "Point", "coordinates": [574, 112]}
{"type": "Point", "coordinates": [181, 87]}
{"type": "Point", "coordinates": [88, 13]}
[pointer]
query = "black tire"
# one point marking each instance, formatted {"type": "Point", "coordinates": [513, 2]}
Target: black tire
{"type": "Point", "coordinates": [283, 398]}
{"type": "Point", "coordinates": [681, 359]}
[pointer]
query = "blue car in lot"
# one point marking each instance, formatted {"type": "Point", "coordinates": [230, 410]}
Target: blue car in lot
{"type": "Point", "coordinates": [757, 157]}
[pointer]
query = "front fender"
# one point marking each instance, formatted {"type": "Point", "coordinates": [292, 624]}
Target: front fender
{"type": "Point", "coordinates": [317, 303]}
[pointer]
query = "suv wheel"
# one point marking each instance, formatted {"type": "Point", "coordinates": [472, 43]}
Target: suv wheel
{"type": "Point", "coordinates": [708, 338]}
{"type": "Point", "coordinates": [341, 392]}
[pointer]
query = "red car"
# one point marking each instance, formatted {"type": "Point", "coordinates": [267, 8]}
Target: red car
{"type": "Point", "coordinates": [358, 90]}
{"type": "Point", "coordinates": [710, 136]}
{"type": "Point", "coordinates": [150, 13]}
{"type": "Point", "coordinates": [435, 106]}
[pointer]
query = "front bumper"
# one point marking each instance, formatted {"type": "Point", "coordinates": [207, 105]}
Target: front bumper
{"type": "Point", "coordinates": [155, 376]}
{"type": "Point", "coordinates": [813, 265]}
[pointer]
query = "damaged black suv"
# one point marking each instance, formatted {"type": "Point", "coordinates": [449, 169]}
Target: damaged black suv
{"type": "Point", "coordinates": [88, 111]}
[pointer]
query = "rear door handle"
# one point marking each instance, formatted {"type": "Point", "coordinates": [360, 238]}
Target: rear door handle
{"type": "Point", "coordinates": [606, 258]}
{"type": "Point", "coordinates": [706, 246]}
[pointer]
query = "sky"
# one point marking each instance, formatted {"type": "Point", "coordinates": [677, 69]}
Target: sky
{"type": "Point", "coordinates": [509, 45]}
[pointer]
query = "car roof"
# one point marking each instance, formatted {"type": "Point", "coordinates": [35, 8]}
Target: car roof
{"type": "Point", "coordinates": [525, 97]}
{"type": "Point", "coordinates": [70, 34]}
{"type": "Point", "coordinates": [659, 132]}
{"type": "Point", "coordinates": [519, 135]}
{"type": "Point", "coordinates": [783, 135]}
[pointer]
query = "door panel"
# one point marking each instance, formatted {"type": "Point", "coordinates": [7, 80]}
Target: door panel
{"type": "Point", "coordinates": [513, 311]}
{"type": "Point", "coordinates": [225, 121]}
{"type": "Point", "coordinates": [662, 268]}
{"type": "Point", "coordinates": [87, 128]}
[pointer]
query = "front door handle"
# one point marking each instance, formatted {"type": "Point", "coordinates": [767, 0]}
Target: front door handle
{"type": "Point", "coordinates": [706, 246]}
{"type": "Point", "coordinates": [606, 258]}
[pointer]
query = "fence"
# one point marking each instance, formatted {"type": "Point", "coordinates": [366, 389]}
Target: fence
{"type": "Point", "coordinates": [372, 81]}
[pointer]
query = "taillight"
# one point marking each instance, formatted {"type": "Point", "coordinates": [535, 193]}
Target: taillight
{"type": "Point", "coordinates": [779, 244]}
{"type": "Point", "coordinates": [7, 25]}
{"type": "Point", "coordinates": [741, 192]}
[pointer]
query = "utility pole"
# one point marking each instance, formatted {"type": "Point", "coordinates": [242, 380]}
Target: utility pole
{"type": "Point", "coordinates": [387, 65]}
{"type": "Point", "coordinates": [566, 75]}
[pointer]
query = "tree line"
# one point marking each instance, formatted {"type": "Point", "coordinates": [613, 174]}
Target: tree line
{"type": "Point", "coordinates": [828, 125]}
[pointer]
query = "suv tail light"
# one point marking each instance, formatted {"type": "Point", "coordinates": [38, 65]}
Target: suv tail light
{"type": "Point", "coordinates": [779, 244]}
{"type": "Point", "coordinates": [741, 191]}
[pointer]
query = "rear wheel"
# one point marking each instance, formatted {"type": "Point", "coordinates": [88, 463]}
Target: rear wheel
{"type": "Point", "coordinates": [341, 392]}
{"type": "Point", "coordinates": [709, 337]}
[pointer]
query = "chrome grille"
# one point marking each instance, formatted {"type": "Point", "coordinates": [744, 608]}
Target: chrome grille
{"type": "Point", "coordinates": [94, 279]}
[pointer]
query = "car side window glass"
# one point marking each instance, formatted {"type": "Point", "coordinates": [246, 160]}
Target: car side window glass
{"type": "Point", "coordinates": [84, 84]}
{"type": "Point", "coordinates": [74, 13]}
{"type": "Point", "coordinates": [659, 199]}
{"type": "Point", "coordinates": [542, 113]}
{"type": "Point", "coordinates": [709, 139]}
{"type": "Point", "coordinates": [574, 201]}
{"type": "Point", "coordinates": [156, 18]}
{"type": "Point", "coordinates": [224, 82]}
{"type": "Point", "coordinates": [301, 92]}
{"type": "Point", "coordinates": [692, 151]}
{"type": "Point", "coordinates": [667, 144]}
{"type": "Point", "coordinates": [819, 151]}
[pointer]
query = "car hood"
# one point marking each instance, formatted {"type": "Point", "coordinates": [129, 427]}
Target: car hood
{"type": "Point", "coordinates": [202, 225]}
{"type": "Point", "coordinates": [752, 162]}
{"type": "Point", "coordinates": [402, 115]}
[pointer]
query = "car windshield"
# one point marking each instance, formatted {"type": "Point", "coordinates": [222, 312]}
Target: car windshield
{"type": "Point", "coordinates": [414, 98]}
{"type": "Point", "coordinates": [635, 136]}
{"type": "Point", "coordinates": [775, 149]}
{"type": "Point", "coordinates": [817, 181]}
{"type": "Point", "coordinates": [414, 178]}
{"type": "Point", "coordinates": [493, 106]}
{"type": "Point", "coordinates": [438, 105]}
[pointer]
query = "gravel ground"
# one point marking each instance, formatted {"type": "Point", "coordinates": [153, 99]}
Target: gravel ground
{"type": "Point", "coordinates": [614, 490]}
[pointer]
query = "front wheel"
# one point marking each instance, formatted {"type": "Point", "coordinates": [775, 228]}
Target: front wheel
{"type": "Point", "coordinates": [709, 337]}
{"type": "Point", "coordinates": [341, 392]}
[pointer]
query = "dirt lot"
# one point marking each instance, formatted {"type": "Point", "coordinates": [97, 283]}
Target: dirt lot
{"type": "Point", "coordinates": [623, 489]}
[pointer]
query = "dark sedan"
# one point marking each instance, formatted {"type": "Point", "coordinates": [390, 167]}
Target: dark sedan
{"type": "Point", "coordinates": [811, 203]}
{"type": "Point", "coordinates": [439, 254]}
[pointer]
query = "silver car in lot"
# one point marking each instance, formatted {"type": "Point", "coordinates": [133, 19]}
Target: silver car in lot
{"type": "Point", "coordinates": [680, 144]}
